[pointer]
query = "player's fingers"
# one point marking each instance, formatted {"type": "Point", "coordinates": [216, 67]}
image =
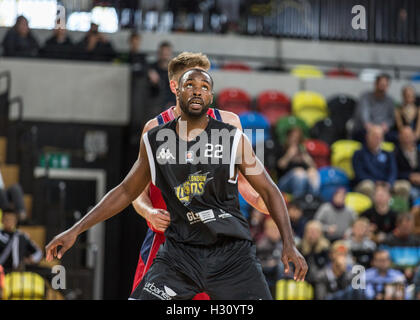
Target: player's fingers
{"type": "Point", "coordinates": [285, 261]}
{"type": "Point", "coordinates": [62, 251]}
{"type": "Point", "coordinates": [165, 213]}
{"type": "Point", "coordinates": [302, 269]}
{"type": "Point", "coordinates": [49, 249]}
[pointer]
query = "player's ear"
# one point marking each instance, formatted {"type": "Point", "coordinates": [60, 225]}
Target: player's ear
{"type": "Point", "coordinates": [173, 85]}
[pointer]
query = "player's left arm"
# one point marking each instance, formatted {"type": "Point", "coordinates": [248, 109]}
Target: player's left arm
{"type": "Point", "coordinates": [254, 171]}
{"type": "Point", "coordinates": [244, 187]}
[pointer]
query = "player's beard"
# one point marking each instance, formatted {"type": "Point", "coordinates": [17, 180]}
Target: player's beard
{"type": "Point", "coordinates": [185, 108]}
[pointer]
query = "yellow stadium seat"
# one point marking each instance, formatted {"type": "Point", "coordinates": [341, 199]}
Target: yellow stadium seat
{"type": "Point", "coordinates": [342, 152]}
{"type": "Point", "coordinates": [358, 202]}
{"type": "Point", "coordinates": [388, 146]}
{"type": "Point", "coordinates": [24, 286]}
{"type": "Point", "coordinates": [287, 289]}
{"type": "Point", "coordinates": [306, 71]}
{"type": "Point", "coordinates": [309, 106]}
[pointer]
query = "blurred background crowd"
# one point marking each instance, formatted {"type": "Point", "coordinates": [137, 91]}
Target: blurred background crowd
{"type": "Point", "coordinates": [347, 164]}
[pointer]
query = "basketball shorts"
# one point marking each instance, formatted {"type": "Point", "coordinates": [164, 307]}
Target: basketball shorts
{"type": "Point", "coordinates": [228, 270]}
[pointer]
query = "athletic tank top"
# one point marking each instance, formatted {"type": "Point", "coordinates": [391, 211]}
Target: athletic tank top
{"type": "Point", "coordinates": [154, 192]}
{"type": "Point", "coordinates": [198, 182]}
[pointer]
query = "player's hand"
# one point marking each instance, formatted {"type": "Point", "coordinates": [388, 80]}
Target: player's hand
{"type": "Point", "coordinates": [160, 219]}
{"type": "Point", "coordinates": [65, 240]}
{"type": "Point", "coordinates": [293, 255]}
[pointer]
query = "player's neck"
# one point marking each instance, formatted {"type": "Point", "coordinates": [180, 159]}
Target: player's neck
{"type": "Point", "coordinates": [190, 127]}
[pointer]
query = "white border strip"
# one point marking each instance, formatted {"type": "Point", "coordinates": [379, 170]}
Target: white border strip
{"type": "Point", "coordinates": [233, 153]}
{"type": "Point", "coordinates": [150, 157]}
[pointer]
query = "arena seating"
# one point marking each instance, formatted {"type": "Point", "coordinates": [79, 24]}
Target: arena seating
{"type": "Point", "coordinates": [234, 99]}
{"type": "Point", "coordinates": [273, 105]}
{"type": "Point", "coordinates": [309, 106]}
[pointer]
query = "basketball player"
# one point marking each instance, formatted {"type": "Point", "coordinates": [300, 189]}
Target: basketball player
{"type": "Point", "coordinates": [150, 203]}
{"type": "Point", "coordinates": [208, 245]}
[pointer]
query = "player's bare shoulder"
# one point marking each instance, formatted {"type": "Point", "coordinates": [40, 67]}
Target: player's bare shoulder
{"type": "Point", "coordinates": [150, 125]}
{"type": "Point", "coordinates": [231, 118]}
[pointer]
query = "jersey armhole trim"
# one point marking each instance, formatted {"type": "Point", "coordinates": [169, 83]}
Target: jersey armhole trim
{"type": "Point", "coordinates": [236, 140]}
{"type": "Point", "coordinates": [150, 157]}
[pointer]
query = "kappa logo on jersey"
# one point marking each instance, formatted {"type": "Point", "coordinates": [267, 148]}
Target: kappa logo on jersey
{"type": "Point", "coordinates": [194, 186]}
{"type": "Point", "coordinates": [165, 154]}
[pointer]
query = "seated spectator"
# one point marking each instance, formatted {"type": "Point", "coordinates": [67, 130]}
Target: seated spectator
{"type": "Point", "coordinates": [408, 113]}
{"type": "Point", "coordinates": [159, 78]}
{"type": "Point", "coordinates": [372, 164]}
{"type": "Point", "coordinates": [359, 243]}
{"type": "Point", "coordinates": [16, 249]}
{"type": "Point", "coordinates": [334, 280]}
{"type": "Point", "coordinates": [335, 217]}
{"type": "Point", "coordinates": [403, 245]}
{"type": "Point", "coordinates": [19, 40]}
{"type": "Point", "coordinates": [269, 252]}
{"type": "Point", "coordinates": [12, 197]}
{"type": "Point", "coordinates": [381, 275]}
{"type": "Point", "coordinates": [375, 108]}
{"type": "Point", "coordinates": [58, 46]}
{"type": "Point", "coordinates": [95, 46]}
{"type": "Point", "coordinates": [297, 220]}
{"type": "Point", "coordinates": [382, 218]}
{"type": "Point", "coordinates": [296, 169]}
{"type": "Point", "coordinates": [315, 249]}
{"type": "Point", "coordinates": [408, 161]}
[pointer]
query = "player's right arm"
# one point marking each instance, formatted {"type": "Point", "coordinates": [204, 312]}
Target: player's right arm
{"type": "Point", "coordinates": [158, 218]}
{"type": "Point", "coordinates": [112, 203]}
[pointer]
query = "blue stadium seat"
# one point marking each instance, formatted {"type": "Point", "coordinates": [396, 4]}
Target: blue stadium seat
{"type": "Point", "coordinates": [331, 179]}
{"type": "Point", "coordinates": [253, 121]}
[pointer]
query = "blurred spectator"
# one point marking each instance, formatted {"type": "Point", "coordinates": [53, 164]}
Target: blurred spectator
{"type": "Point", "coordinates": [230, 12]}
{"type": "Point", "coordinates": [359, 243]}
{"type": "Point", "coordinates": [296, 169]}
{"type": "Point", "coordinates": [382, 218]}
{"type": "Point", "coordinates": [372, 164]}
{"type": "Point", "coordinates": [16, 249]}
{"type": "Point", "coordinates": [402, 28]}
{"type": "Point", "coordinates": [183, 13]}
{"type": "Point", "coordinates": [59, 45]}
{"type": "Point", "coordinates": [12, 197]}
{"type": "Point", "coordinates": [335, 217]}
{"type": "Point", "coordinates": [381, 275]}
{"type": "Point", "coordinates": [134, 57]}
{"type": "Point", "coordinates": [403, 245]}
{"type": "Point", "coordinates": [297, 219]}
{"type": "Point", "coordinates": [19, 40]}
{"type": "Point", "coordinates": [95, 46]}
{"type": "Point", "coordinates": [334, 280]}
{"type": "Point", "coordinates": [375, 108]}
{"type": "Point", "coordinates": [315, 248]}
{"type": "Point", "coordinates": [256, 224]}
{"type": "Point", "coordinates": [408, 161]}
{"type": "Point", "coordinates": [415, 211]}
{"type": "Point", "coordinates": [417, 284]}
{"type": "Point", "coordinates": [269, 252]}
{"type": "Point", "coordinates": [159, 78]}
{"type": "Point", "coordinates": [1, 281]}
{"type": "Point", "coordinates": [408, 113]}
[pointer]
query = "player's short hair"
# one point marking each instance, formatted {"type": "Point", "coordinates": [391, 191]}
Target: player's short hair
{"type": "Point", "coordinates": [185, 61]}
